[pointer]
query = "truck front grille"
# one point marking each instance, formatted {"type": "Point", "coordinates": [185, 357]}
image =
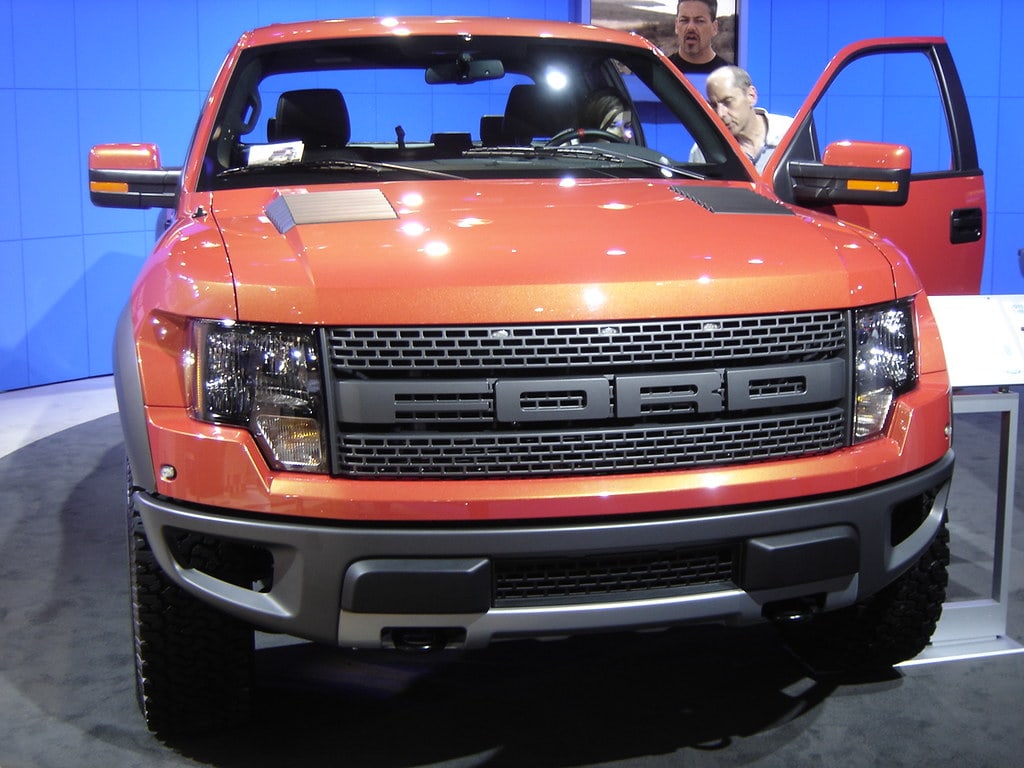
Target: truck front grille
{"type": "Point", "coordinates": [561, 400]}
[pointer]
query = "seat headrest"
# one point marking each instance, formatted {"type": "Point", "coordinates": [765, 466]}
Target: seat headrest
{"type": "Point", "coordinates": [316, 116]}
{"type": "Point", "coordinates": [490, 130]}
{"type": "Point", "coordinates": [533, 111]}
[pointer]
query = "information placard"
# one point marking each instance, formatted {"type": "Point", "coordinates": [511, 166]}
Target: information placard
{"type": "Point", "coordinates": [983, 337]}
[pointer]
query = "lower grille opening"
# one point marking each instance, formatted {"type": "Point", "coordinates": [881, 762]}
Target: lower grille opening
{"type": "Point", "coordinates": [633, 576]}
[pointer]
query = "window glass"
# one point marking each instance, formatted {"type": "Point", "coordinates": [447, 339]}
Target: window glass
{"type": "Point", "coordinates": [892, 98]}
{"type": "Point", "coordinates": [386, 108]}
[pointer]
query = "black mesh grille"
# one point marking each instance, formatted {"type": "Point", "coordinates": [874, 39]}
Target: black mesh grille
{"type": "Point", "coordinates": [593, 451]}
{"type": "Point", "coordinates": [623, 576]}
{"type": "Point", "coordinates": [607, 346]}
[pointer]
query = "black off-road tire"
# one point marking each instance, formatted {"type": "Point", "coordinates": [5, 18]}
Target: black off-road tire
{"type": "Point", "coordinates": [193, 664]}
{"type": "Point", "coordinates": [892, 626]}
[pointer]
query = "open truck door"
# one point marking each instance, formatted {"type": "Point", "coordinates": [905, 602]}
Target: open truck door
{"type": "Point", "coordinates": [924, 191]}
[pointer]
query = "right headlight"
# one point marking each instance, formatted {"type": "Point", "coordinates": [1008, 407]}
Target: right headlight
{"type": "Point", "coordinates": [266, 379]}
{"type": "Point", "coordinates": [885, 362]}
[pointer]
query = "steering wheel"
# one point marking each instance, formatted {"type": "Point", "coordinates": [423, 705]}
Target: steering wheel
{"type": "Point", "coordinates": [582, 135]}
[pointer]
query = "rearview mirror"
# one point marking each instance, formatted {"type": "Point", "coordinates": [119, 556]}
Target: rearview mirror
{"type": "Point", "coordinates": [858, 172]}
{"type": "Point", "coordinates": [465, 70]}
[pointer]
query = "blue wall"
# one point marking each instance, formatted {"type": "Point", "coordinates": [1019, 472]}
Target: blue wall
{"type": "Point", "coordinates": [74, 73]}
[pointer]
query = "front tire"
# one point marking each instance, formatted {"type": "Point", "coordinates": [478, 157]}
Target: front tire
{"type": "Point", "coordinates": [892, 626]}
{"type": "Point", "coordinates": [193, 664]}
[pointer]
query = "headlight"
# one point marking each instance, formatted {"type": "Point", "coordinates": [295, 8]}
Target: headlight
{"type": "Point", "coordinates": [266, 379]}
{"type": "Point", "coordinates": [885, 362]}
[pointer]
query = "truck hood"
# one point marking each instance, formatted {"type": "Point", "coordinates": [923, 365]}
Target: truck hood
{"type": "Point", "coordinates": [536, 250]}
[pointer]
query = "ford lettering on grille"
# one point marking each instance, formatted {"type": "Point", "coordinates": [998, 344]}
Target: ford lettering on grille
{"type": "Point", "coordinates": [590, 398]}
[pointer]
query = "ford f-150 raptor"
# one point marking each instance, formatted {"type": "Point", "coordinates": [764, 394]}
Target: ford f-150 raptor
{"type": "Point", "coordinates": [425, 360]}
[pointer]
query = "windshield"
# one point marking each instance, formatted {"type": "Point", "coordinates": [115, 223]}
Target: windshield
{"type": "Point", "coordinates": [391, 108]}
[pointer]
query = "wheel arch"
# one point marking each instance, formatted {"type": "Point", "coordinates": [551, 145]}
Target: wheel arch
{"type": "Point", "coordinates": [130, 404]}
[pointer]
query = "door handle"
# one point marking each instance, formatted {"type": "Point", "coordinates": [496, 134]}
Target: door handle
{"type": "Point", "coordinates": [965, 225]}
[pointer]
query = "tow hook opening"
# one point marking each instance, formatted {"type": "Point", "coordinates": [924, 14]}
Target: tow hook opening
{"type": "Point", "coordinates": [796, 611]}
{"type": "Point", "coordinates": [423, 639]}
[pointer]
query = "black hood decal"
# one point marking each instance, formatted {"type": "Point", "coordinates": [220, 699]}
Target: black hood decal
{"type": "Point", "coordinates": [730, 200]}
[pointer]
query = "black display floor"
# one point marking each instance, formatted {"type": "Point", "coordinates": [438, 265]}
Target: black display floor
{"type": "Point", "coordinates": [693, 697]}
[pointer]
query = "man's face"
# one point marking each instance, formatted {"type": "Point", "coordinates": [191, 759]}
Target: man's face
{"type": "Point", "coordinates": [733, 104]}
{"type": "Point", "coordinates": [694, 29]}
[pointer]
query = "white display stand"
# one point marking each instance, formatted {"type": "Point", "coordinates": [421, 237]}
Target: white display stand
{"type": "Point", "coordinates": [983, 337]}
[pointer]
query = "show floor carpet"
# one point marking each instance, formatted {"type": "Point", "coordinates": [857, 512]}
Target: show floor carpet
{"type": "Point", "coordinates": [694, 697]}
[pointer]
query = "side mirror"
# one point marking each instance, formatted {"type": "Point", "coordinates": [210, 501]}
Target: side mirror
{"type": "Point", "coordinates": [857, 172]}
{"type": "Point", "coordinates": [130, 176]}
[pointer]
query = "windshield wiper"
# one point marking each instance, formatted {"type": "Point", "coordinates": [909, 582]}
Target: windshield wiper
{"type": "Point", "coordinates": [588, 151]}
{"type": "Point", "coordinates": [319, 165]}
{"type": "Point", "coordinates": [511, 151]}
{"type": "Point", "coordinates": [623, 152]}
{"type": "Point", "coordinates": [603, 152]}
{"type": "Point", "coordinates": [337, 165]}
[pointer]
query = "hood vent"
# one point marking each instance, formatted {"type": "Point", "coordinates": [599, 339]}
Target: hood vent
{"type": "Point", "coordinates": [730, 200]}
{"type": "Point", "coordinates": [290, 210]}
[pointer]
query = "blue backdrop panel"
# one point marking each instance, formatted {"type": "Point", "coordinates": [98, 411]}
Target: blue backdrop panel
{"type": "Point", "coordinates": [49, 162]}
{"type": "Point", "coordinates": [13, 329]}
{"type": "Point", "coordinates": [106, 44]}
{"type": "Point", "coordinates": [10, 218]}
{"type": "Point", "coordinates": [55, 309]}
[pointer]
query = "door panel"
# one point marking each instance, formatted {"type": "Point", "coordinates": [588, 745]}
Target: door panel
{"type": "Point", "coordinates": [903, 91]}
{"type": "Point", "coordinates": [927, 221]}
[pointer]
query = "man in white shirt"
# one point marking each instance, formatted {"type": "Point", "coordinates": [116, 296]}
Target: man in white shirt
{"type": "Point", "coordinates": [733, 96]}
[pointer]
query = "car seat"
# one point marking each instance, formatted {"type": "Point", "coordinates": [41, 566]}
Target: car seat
{"type": "Point", "coordinates": [318, 117]}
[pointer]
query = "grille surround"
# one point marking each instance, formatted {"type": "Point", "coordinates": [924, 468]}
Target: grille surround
{"type": "Point", "coordinates": [475, 441]}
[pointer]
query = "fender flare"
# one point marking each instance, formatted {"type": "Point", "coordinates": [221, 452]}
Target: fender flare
{"type": "Point", "coordinates": [130, 404]}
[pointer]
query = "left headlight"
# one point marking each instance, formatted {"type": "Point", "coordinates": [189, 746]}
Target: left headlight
{"type": "Point", "coordinates": [266, 379]}
{"type": "Point", "coordinates": [885, 362]}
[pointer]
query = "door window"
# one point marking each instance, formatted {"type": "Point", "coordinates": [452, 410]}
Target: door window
{"type": "Point", "coordinates": [907, 109]}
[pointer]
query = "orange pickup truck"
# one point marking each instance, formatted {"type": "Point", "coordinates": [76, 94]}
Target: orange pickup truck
{"type": "Point", "coordinates": [427, 357]}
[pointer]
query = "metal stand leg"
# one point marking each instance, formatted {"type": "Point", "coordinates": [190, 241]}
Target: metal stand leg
{"type": "Point", "coordinates": [974, 628]}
